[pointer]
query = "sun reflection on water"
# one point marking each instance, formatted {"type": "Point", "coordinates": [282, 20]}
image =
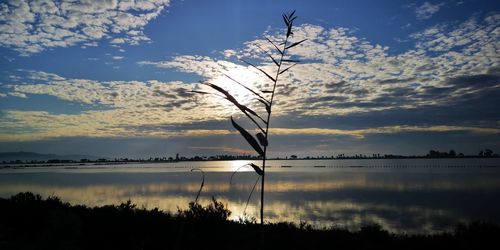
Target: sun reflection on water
{"type": "Point", "coordinates": [240, 166]}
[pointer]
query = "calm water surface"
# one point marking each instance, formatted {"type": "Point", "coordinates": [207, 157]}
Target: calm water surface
{"type": "Point", "coordinates": [408, 195]}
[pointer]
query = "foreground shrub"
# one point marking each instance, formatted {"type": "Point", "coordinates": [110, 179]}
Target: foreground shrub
{"type": "Point", "coordinates": [27, 221]}
{"type": "Point", "coordinates": [216, 211]}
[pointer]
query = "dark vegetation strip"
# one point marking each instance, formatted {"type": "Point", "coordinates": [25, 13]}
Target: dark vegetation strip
{"type": "Point", "coordinates": [29, 222]}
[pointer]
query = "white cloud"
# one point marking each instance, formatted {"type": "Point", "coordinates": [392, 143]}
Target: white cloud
{"type": "Point", "coordinates": [201, 65]}
{"type": "Point", "coordinates": [127, 108]}
{"type": "Point", "coordinates": [33, 26]}
{"type": "Point", "coordinates": [148, 122]}
{"type": "Point", "coordinates": [17, 94]}
{"type": "Point", "coordinates": [117, 41]}
{"type": "Point", "coordinates": [91, 44]}
{"type": "Point", "coordinates": [117, 57]}
{"type": "Point", "coordinates": [427, 10]}
{"type": "Point", "coordinates": [340, 74]}
{"type": "Point", "coordinates": [406, 26]}
{"type": "Point", "coordinates": [228, 53]}
{"type": "Point", "coordinates": [361, 133]}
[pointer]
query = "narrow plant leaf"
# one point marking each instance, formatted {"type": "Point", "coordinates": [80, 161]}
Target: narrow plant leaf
{"type": "Point", "coordinates": [256, 168]}
{"type": "Point", "coordinates": [291, 14]}
{"type": "Point", "coordinates": [235, 171]}
{"type": "Point", "coordinates": [285, 18]}
{"type": "Point", "coordinates": [241, 107]}
{"type": "Point", "coordinates": [199, 92]}
{"type": "Point", "coordinates": [230, 98]}
{"type": "Point", "coordinates": [269, 55]}
{"type": "Point", "coordinates": [295, 44]}
{"type": "Point", "coordinates": [289, 31]}
{"type": "Point", "coordinates": [290, 60]}
{"type": "Point", "coordinates": [267, 91]}
{"type": "Point", "coordinates": [283, 71]}
{"type": "Point", "coordinates": [268, 107]}
{"type": "Point", "coordinates": [207, 93]}
{"type": "Point", "coordinates": [204, 93]}
{"type": "Point", "coordinates": [223, 91]}
{"type": "Point", "coordinates": [262, 139]}
{"type": "Point", "coordinates": [269, 40]}
{"type": "Point", "coordinates": [202, 183]}
{"type": "Point", "coordinates": [253, 188]}
{"type": "Point", "coordinates": [274, 60]}
{"type": "Point", "coordinates": [244, 86]}
{"type": "Point", "coordinates": [261, 70]}
{"type": "Point", "coordinates": [250, 139]}
{"type": "Point", "coordinates": [250, 195]}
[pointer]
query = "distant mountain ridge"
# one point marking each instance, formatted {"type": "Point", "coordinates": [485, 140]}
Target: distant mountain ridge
{"type": "Point", "coordinates": [31, 156]}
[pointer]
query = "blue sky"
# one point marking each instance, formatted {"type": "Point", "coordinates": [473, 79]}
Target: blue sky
{"type": "Point", "coordinates": [109, 78]}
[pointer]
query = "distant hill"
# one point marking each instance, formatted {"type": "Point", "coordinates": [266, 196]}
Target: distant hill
{"type": "Point", "coordinates": [31, 156]}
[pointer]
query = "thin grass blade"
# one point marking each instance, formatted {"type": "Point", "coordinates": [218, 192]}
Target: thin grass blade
{"type": "Point", "coordinates": [269, 55]}
{"type": "Point", "coordinates": [207, 93]}
{"type": "Point", "coordinates": [236, 171]}
{"type": "Point", "coordinates": [290, 60]}
{"type": "Point", "coordinates": [285, 19]}
{"type": "Point", "coordinates": [268, 107]}
{"type": "Point", "coordinates": [283, 71]}
{"type": "Point", "coordinates": [257, 169]}
{"type": "Point", "coordinates": [230, 98]}
{"type": "Point", "coordinates": [269, 40]}
{"type": "Point", "coordinates": [274, 60]}
{"type": "Point", "coordinates": [250, 195]}
{"type": "Point", "coordinates": [202, 183]}
{"type": "Point", "coordinates": [261, 70]}
{"type": "Point", "coordinates": [295, 44]}
{"type": "Point", "coordinates": [244, 86]}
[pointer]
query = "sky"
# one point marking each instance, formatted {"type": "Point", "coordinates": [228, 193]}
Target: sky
{"type": "Point", "coordinates": [113, 78]}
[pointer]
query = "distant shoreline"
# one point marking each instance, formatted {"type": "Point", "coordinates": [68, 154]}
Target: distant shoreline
{"type": "Point", "coordinates": [76, 164]}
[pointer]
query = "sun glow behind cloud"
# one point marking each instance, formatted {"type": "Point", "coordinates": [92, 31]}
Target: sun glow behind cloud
{"type": "Point", "coordinates": [227, 80]}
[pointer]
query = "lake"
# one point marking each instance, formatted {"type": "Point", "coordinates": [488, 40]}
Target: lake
{"type": "Point", "coordinates": [402, 195]}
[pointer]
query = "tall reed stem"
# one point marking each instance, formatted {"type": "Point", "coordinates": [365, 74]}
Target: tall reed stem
{"type": "Point", "coordinates": [266, 134]}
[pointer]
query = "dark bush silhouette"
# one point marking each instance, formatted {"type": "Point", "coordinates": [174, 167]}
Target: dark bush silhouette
{"type": "Point", "coordinates": [216, 211]}
{"type": "Point", "coordinates": [29, 222]}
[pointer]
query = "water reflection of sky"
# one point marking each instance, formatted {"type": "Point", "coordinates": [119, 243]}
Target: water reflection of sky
{"type": "Point", "coordinates": [402, 200]}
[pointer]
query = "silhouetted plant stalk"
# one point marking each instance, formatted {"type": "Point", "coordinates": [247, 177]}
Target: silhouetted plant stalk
{"type": "Point", "coordinates": [282, 65]}
{"type": "Point", "coordinates": [202, 183]}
